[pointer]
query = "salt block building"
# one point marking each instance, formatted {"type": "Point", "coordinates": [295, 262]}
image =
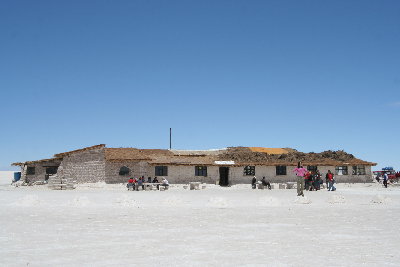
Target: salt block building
{"type": "Point", "coordinates": [228, 166]}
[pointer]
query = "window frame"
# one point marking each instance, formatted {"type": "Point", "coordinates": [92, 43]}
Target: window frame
{"type": "Point", "coordinates": [200, 171]}
{"type": "Point", "coordinates": [359, 170]}
{"type": "Point", "coordinates": [281, 170]}
{"type": "Point", "coordinates": [313, 169]}
{"type": "Point", "coordinates": [249, 170]}
{"type": "Point", "coordinates": [161, 170]}
{"type": "Point", "coordinates": [344, 170]}
{"type": "Point", "coordinates": [50, 170]}
{"type": "Point", "coordinates": [127, 171]}
{"type": "Point", "coordinates": [30, 170]}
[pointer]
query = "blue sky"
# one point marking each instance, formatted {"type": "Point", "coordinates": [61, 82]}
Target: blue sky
{"type": "Point", "coordinates": [311, 75]}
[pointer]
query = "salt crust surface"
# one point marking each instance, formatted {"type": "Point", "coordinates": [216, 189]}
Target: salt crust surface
{"type": "Point", "coordinates": [102, 225]}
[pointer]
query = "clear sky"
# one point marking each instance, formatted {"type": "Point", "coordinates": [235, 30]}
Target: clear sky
{"type": "Point", "coordinates": [311, 75]}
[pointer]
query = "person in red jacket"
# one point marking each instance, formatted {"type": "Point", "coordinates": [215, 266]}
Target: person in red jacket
{"type": "Point", "coordinates": [307, 183]}
{"type": "Point", "coordinates": [331, 181]}
{"type": "Point", "coordinates": [130, 184]}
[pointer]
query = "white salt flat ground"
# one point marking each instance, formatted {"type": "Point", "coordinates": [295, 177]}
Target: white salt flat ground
{"type": "Point", "coordinates": [106, 225]}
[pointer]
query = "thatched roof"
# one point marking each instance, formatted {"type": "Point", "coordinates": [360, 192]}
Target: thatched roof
{"type": "Point", "coordinates": [134, 154]}
{"type": "Point", "coordinates": [52, 160]}
{"type": "Point", "coordinates": [246, 156]}
{"type": "Point", "coordinates": [58, 156]}
{"type": "Point", "coordinates": [241, 156]}
{"type": "Point", "coordinates": [269, 150]}
{"type": "Point", "coordinates": [61, 155]}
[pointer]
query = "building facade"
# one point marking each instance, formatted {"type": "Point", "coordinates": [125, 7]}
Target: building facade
{"type": "Point", "coordinates": [224, 166]}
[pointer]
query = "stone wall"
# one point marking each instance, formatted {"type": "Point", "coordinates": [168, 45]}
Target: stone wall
{"type": "Point", "coordinates": [90, 166]}
{"type": "Point", "coordinates": [40, 171]}
{"type": "Point", "coordinates": [236, 175]}
{"type": "Point", "coordinates": [137, 169]}
{"type": "Point", "coordinates": [367, 178]}
{"type": "Point", "coordinates": [39, 175]}
{"type": "Point", "coordinates": [183, 174]}
{"type": "Point", "coordinates": [84, 167]}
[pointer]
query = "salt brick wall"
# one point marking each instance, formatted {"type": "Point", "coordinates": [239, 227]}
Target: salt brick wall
{"type": "Point", "coordinates": [176, 174]}
{"type": "Point", "coordinates": [39, 175]}
{"type": "Point", "coordinates": [90, 166]}
{"type": "Point", "coordinates": [85, 167]}
{"type": "Point", "coordinates": [184, 174]}
{"type": "Point", "coordinates": [137, 169]}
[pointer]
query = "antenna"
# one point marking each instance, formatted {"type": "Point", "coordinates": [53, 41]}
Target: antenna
{"type": "Point", "coordinates": [170, 138]}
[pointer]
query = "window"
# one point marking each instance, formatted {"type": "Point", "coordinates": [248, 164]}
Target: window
{"type": "Point", "coordinates": [200, 171]}
{"type": "Point", "coordinates": [161, 171]}
{"type": "Point", "coordinates": [30, 171]}
{"type": "Point", "coordinates": [249, 170]}
{"type": "Point", "coordinates": [312, 168]}
{"type": "Point", "coordinates": [124, 170]}
{"type": "Point", "coordinates": [358, 170]}
{"type": "Point", "coordinates": [341, 170]}
{"type": "Point", "coordinates": [51, 170]}
{"type": "Point", "coordinates": [280, 170]}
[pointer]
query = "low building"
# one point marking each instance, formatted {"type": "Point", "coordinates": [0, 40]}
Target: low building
{"type": "Point", "coordinates": [233, 165]}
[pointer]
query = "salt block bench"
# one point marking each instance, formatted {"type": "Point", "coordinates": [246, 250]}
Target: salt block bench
{"type": "Point", "coordinates": [290, 185]}
{"type": "Point", "coordinates": [153, 186]}
{"type": "Point", "coordinates": [194, 185]}
{"type": "Point", "coordinates": [163, 187]}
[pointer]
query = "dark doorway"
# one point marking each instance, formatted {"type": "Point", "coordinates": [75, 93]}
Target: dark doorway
{"type": "Point", "coordinates": [223, 176]}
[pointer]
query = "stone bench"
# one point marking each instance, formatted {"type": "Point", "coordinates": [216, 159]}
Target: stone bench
{"type": "Point", "coordinates": [290, 185]}
{"type": "Point", "coordinates": [194, 185]}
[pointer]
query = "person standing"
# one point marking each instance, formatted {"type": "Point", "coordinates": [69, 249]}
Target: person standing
{"type": "Point", "coordinates": [253, 182]}
{"type": "Point", "coordinates": [385, 179]}
{"type": "Point", "coordinates": [300, 173]}
{"type": "Point", "coordinates": [329, 178]}
{"type": "Point", "coordinates": [317, 179]}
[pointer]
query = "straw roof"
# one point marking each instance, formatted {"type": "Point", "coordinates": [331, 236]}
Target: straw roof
{"type": "Point", "coordinates": [52, 160]}
{"type": "Point", "coordinates": [241, 156]}
{"type": "Point", "coordinates": [268, 150]}
{"type": "Point", "coordinates": [134, 154]}
{"type": "Point", "coordinates": [61, 155]}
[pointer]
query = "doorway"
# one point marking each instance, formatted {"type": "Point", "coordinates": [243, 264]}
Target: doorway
{"type": "Point", "coordinates": [223, 176]}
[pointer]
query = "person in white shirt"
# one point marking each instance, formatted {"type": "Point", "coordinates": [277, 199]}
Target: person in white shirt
{"type": "Point", "coordinates": [164, 182]}
{"type": "Point", "coordinates": [385, 179]}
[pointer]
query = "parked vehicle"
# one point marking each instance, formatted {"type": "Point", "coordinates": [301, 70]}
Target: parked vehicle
{"type": "Point", "coordinates": [392, 174]}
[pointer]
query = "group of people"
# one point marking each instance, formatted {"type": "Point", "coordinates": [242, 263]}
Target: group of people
{"type": "Point", "coordinates": [263, 182]}
{"type": "Point", "coordinates": [312, 180]}
{"type": "Point", "coordinates": [135, 184]}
